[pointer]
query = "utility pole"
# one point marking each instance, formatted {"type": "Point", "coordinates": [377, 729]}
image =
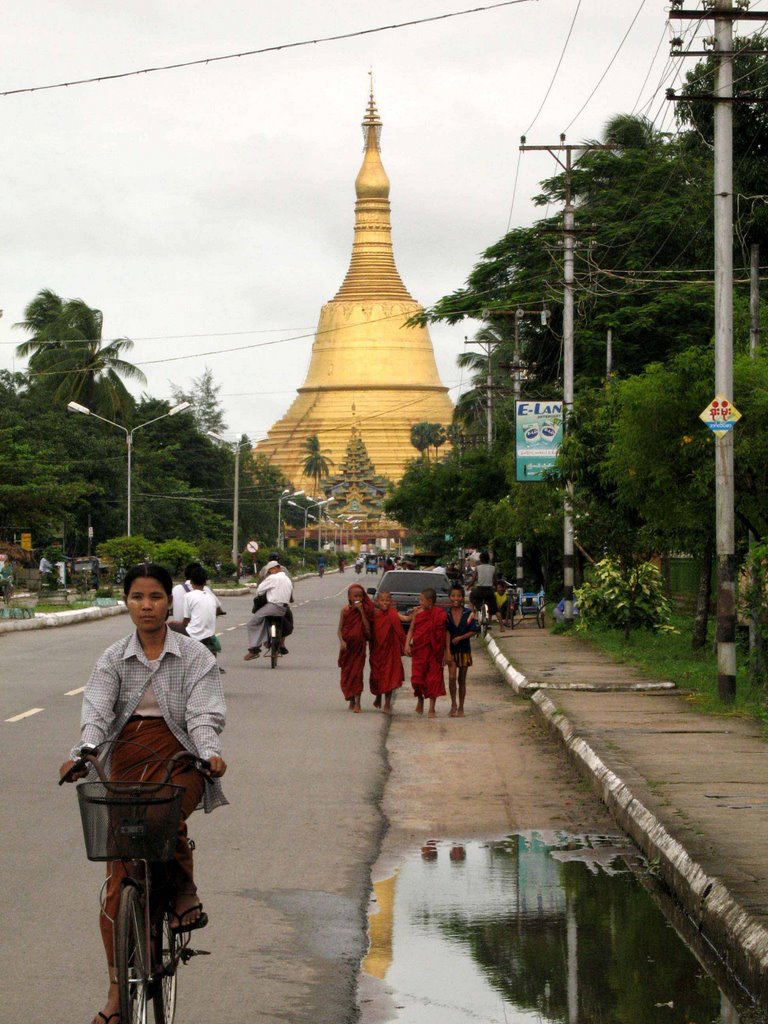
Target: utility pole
{"type": "Point", "coordinates": [754, 299]}
{"type": "Point", "coordinates": [569, 244]}
{"type": "Point", "coordinates": [609, 353]}
{"type": "Point", "coordinates": [488, 347]}
{"type": "Point", "coordinates": [755, 599]}
{"type": "Point", "coordinates": [724, 15]}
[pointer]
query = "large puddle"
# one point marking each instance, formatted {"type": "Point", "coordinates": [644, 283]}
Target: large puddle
{"type": "Point", "coordinates": [538, 927]}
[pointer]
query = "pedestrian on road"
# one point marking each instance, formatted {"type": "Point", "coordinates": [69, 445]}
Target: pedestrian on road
{"type": "Point", "coordinates": [157, 692]}
{"type": "Point", "coordinates": [200, 611]}
{"type": "Point", "coordinates": [273, 601]}
{"type": "Point", "coordinates": [181, 590]}
{"type": "Point", "coordinates": [460, 626]}
{"type": "Point", "coordinates": [425, 644]}
{"type": "Point", "coordinates": [387, 646]}
{"type": "Point", "coordinates": [354, 634]}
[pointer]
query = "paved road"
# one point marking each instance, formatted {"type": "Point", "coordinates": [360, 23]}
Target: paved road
{"type": "Point", "coordinates": [284, 871]}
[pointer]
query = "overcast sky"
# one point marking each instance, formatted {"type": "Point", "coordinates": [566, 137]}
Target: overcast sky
{"type": "Point", "coordinates": [215, 203]}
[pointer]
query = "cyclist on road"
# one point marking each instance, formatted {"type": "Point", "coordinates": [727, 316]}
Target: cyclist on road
{"type": "Point", "coordinates": [157, 692]}
{"type": "Point", "coordinates": [273, 597]}
{"type": "Point", "coordinates": [321, 565]}
{"type": "Point", "coordinates": [483, 593]}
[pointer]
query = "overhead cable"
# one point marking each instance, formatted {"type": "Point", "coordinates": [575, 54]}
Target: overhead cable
{"type": "Point", "coordinates": [264, 49]}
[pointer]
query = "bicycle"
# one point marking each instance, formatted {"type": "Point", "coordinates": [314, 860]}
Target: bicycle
{"type": "Point", "coordinates": [138, 822]}
{"type": "Point", "coordinates": [274, 639]}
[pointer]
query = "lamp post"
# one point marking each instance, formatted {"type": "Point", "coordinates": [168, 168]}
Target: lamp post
{"type": "Point", "coordinates": [310, 503]}
{"type": "Point", "coordinates": [287, 493]}
{"type": "Point", "coordinates": [85, 411]}
{"type": "Point", "coordinates": [320, 507]}
{"type": "Point", "coordinates": [236, 446]}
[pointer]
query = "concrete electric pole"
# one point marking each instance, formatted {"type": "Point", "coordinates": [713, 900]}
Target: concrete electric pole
{"type": "Point", "coordinates": [569, 244]}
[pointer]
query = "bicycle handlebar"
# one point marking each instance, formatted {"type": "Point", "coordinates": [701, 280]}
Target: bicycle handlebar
{"type": "Point", "coordinates": [88, 756]}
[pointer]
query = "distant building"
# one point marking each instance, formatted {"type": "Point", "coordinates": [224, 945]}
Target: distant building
{"type": "Point", "coordinates": [371, 377]}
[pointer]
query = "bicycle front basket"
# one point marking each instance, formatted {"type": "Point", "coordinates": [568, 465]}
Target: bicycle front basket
{"type": "Point", "coordinates": [130, 820]}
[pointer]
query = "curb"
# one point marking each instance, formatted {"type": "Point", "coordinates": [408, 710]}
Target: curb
{"type": "Point", "coordinates": [709, 904]}
{"type": "Point", "coordinates": [49, 620]}
{"type": "Point", "coordinates": [520, 684]}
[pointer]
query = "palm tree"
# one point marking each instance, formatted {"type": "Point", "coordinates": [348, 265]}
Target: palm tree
{"type": "Point", "coordinates": [316, 464]}
{"type": "Point", "coordinates": [66, 351]}
{"type": "Point", "coordinates": [421, 438]}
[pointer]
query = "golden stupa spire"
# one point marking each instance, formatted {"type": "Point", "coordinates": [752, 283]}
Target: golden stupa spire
{"type": "Point", "coordinates": [372, 272]}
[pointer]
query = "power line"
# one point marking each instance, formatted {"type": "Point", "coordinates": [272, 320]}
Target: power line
{"type": "Point", "coordinates": [610, 65]}
{"type": "Point", "coordinates": [557, 69]}
{"type": "Point", "coordinates": [264, 49]}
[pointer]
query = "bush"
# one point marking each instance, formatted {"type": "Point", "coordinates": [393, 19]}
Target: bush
{"type": "Point", "coordinates": [175, 555]}
{"type": "Point", "coordinates": [624, 597]}
{"type": "Point", "coordinates": [123, 552]}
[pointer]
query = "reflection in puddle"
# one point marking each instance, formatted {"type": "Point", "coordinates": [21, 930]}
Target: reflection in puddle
{"type": "Point", "coordinates": [540, 927]}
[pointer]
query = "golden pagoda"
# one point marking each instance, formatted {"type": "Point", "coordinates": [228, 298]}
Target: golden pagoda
{"type": "Point", "coordinates": [368, 370]}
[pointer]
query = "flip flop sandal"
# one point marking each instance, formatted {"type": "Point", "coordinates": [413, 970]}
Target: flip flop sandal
{"type": "Point", "coordinates": [189, 926]}
{"type": "Point", "coordinates": [113, 1016]}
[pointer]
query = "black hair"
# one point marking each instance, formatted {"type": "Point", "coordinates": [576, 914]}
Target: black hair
{"type": "Point", "coordinates": [148, 570]}
{"type": "Point", "coordinates": [430, 594]}
{"type": "Point", "coordinates": [485, 557]}
{"type": "Point", "coordinates": [458, 586]}
{"type": "Point", "coordinates": [188, 569]}
{"type": "Point", "coordinates": [198, 576]}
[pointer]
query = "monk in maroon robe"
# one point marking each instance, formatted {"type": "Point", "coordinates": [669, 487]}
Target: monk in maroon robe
{"type": "Point", "coordinates": [425, 644]}
{"type": "Point", "coordinates": [354, 633]}
{"type": "Point", "coordinates": [387, 645]}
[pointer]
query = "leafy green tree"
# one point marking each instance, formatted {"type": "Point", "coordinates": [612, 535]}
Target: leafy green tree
{"type": "Point", "coordinates": [203, 396]}
{"type": "Point", "coordinates": [650, 199]}
{"type": "Point", "coordinates": [175, 554]}
{"type": "Point", "coordinates": [436, 499]}
{"type": "Point", "coordinates": [316, 464]}
{"type": "Point", "coordinates": [123, 552]}
{"type": "Point", "coordinates": [68, 357]}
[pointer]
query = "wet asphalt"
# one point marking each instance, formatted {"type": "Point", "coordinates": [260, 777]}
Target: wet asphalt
{"type": "Point", "coordinates": [284, 871]}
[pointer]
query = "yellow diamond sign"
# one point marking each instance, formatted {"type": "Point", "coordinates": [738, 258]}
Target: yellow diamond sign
{"type": "Point", "coordinates": [720, 415]}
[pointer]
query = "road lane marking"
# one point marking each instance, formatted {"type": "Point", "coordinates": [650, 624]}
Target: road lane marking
{"type": "Point", "coordinates": [25, 714]}
{"type": "Point", "coordinates": [73, 693]}
{"type": "Point", "coordinates": [230, 628]}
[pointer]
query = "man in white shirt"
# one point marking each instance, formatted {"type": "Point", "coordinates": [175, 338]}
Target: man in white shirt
{"type": "Point", "coordinates": [181, 590]}
{"type": "Point", "coordinates": [200, 611]}
{"type": "Point", "coordinates": [277, 589]}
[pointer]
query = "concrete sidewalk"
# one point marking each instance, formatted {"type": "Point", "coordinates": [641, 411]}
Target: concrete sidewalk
{"type": "Point", "coordinates": [690, 789]}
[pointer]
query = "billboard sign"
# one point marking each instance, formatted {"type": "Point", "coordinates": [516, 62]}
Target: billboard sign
{"type": "Point", "coordinates": [538, 436]}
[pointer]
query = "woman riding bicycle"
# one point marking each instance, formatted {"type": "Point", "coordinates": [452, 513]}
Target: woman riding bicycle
{"type": "Point", "coordinates": [483, 592]}
{"type": "Point", "coordinates": [152, 694]}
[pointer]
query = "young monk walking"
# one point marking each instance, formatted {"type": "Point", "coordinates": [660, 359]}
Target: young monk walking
{"type": "Point", "coordinates": [460, 626]}
{"type": "Point", "coordinates": [354, 634]}
{"type": "Point", "coordinates": [387, 648]}
{"type": "Point", "coordinates": [425, 644]}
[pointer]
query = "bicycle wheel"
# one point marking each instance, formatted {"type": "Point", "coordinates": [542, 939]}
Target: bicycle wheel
{"type": "Point", "coordinates": [165, 963]}
{"type": "Point", "coordinates": [131, 964]}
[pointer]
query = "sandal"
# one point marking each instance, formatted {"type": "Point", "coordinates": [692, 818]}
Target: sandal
{"type": "Point", "coordinates": [189, 926]}
{"type": "Point", "coordinates": [113, 1016]}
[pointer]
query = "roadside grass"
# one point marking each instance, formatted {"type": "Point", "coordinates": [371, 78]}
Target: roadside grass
{"type": "Point", "coordinates": [669, 656]}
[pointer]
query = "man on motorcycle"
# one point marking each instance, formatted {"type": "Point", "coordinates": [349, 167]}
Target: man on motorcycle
{"type": "Point", "coordinates": [273, 597]}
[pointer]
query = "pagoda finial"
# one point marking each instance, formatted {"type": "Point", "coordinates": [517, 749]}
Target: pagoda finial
{"type": "Point", "coordinates": [371, 120]}
{"type": "Point", "coordinates": [372, 272]}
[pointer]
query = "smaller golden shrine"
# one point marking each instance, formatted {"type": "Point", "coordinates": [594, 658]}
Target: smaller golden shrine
{"type": "Point", "coordinates": [357, 489]}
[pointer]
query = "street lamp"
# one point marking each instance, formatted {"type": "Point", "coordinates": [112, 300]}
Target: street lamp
{"type": "Point", "coordinates": [287, 493]}
{"type": "Point", "coordinates": [320, 507]}
{"type": "Point", "coordinates": [237, 446]}
{"type": "Point", "coordinates": [85, 411]}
